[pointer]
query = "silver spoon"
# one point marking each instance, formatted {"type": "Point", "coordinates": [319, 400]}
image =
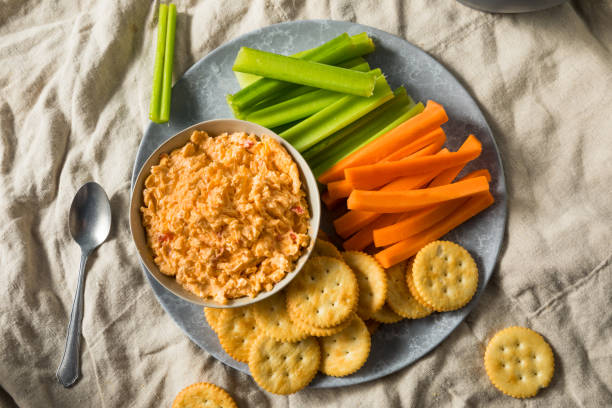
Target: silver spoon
{"type": "Point", "coordinates": [89, 221]}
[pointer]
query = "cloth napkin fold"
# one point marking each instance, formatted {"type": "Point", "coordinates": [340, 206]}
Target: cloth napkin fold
{"type": "Point", "coordinates": [75, 84]}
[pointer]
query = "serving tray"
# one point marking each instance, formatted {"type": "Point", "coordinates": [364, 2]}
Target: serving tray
{"type": "Point", "coordinates": [200, 95]}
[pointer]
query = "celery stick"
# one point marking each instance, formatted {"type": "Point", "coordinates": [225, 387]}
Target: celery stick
{"type": "Point", "coordinates": [304, 72]}
{"type": "Point", "coordinates": [164, 114]}
{"type": "Point", "coordinates": [353, 62]}
{"type": "Point", "coordinates": [245, 79]}
{"type": "Point", "coordinates": [280, 129]}
{"type": "Point", "coordinates": [158, 68]}
{"type": "Point", "coordinates": [338, 49]}
{"type": "Point", "coordinates": [294, 109]}
{"type": "Point", "coordinates": [336, 116]}
{"type": "Point", "coordinates": [296, 90]}
{"type": "Point", "coordinates": [285, 96]}
{"type": "Point", "coordinates": [264, 87]}
{"type": "Point", "coordinates": [363, 139]}
{"type": "Point", "coordinates": [363, 44]}
{"type": "Point", "coordinates": [400, 99]}
{"type": "Point", "coordinates": [356, 64]}
{"type": "Point", "coordinates": [362, 47]}
{"type": "Point", "coordinates": [297, 104]}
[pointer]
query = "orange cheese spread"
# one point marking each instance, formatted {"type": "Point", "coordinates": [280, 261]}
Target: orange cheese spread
{"type": "Point", "coordinates": [226, 215]}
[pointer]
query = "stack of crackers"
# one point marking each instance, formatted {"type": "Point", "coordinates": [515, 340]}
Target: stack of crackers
{"type": "Point", "coordinates": [324, 319]}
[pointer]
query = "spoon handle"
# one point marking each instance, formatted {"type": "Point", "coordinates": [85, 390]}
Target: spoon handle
{"type": "Point", "coordinates": [68, 370]}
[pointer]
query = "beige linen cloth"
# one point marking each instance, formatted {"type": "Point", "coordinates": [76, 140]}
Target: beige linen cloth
{"type": "Point", "coordinates": [75, 82]}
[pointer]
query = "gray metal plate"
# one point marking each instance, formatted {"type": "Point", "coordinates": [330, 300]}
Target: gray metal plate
{"type": "Point", "coordinates": [200, 95]}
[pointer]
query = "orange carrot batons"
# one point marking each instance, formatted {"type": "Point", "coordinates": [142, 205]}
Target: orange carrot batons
{"type": "Point", "coordinates": [353, 221]}
{"type": "Point", "coordinates": [362, 238]}
{"type": "Point", "coordinates": [448, 175]}
{"type": "Point", "coordinates": [431, 118]}
{"type": "Point", "coordinates": [409, 247]}
{"type": "Point", "coordinates": [436, 136]}
{"type": "Point", "coordinates": [342, 188]}
{"type": "Point", "coordinates": [375, 175]}
{"type": "Point", "coordinates": [329, 202]}
{"type": "Point", "coordinates": [403, 201]}
{"type": "Point", "coordinates": [412, 223]}
{"type": "Point", "coordinates": [339, 189]}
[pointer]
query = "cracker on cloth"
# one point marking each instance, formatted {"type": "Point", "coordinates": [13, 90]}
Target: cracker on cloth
{"type": "Point", "coordinates": [203, 395]}
{"type": "Point", "coordinates": [519, 362]}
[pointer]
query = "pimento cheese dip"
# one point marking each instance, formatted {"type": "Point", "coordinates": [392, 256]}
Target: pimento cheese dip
{"type": "Point", "coordinates": [226, 215]}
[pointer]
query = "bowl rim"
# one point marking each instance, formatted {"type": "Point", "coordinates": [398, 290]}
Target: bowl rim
{"type": "Point", "coordinates": [178, 140]}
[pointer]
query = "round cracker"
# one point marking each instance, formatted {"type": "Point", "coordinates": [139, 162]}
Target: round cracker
{"type": "Point", "coordinates": [346, 352]}
{"type": "Point", "coordinates": [386, 315]}
{"type": "Point", "coordinates": [445, 275]}
{"type": "Point", "coordinates": [399, 298]}
{"type": "Point", "coordinates": [237, 330]}
{"type": "Point", "coordinates": [282, 367]}
{"type": "Point", "coordinates": [272, 318]}
{"type": "Point", "coordinates": [325, 248]}
{"type": "Point", "coordinates": [319, 332]}
{"type": "Point", "coordinates": [324, 294]}
{"type": "Point", "coordinates": [519, 362]}
{"type": "Point", "coordinates": [203, 395]}
{"type": "Point", "coordinates": [412, 289]}
{"type": "Point", "coordinates": [212, 315]}
{"type": "Point", "coordinates": [372, 282]}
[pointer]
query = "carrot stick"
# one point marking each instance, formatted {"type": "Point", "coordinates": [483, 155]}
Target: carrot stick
{"type": "Point", "coordinates": [414, 181]}
{"type": "Point", "coordinates": [428, 150]}
{"type": "Point", "coordinates": [432, 117]}
{"type": "Point", "coordinates": [362, 238]}
{"type": "Point", "coordinates": [409, 247]}
{"type": "Point", "coordinates": [339, 189]}
{"type": "Point", "coordinates": [479, 173]}
{"type": "Point", "coordinates": [435, 136]}
{"type": "Point", "coordinates": [397, 202]}
{"type": "Point", "coordinates": [353, 221]}
{"type": "Point", "coordinates": [418, 222]}
{"type": "Point", "coordinates": [342, 188]}
{"type": "Point", "coordinates": [374, 175]}
{"type": "Point", "coordinates": [411, 224]}
{"type": "Point", "coordinates": [329, 202]}
{"type": "Point", "coordinates": [448, 175]}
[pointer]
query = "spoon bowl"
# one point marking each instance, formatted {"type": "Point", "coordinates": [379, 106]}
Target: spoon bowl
{"type": "Point", "coordinates": [90, 216]}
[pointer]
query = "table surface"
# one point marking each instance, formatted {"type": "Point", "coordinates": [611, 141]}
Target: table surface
{"type": "Point", "coordinates": [75, 83]}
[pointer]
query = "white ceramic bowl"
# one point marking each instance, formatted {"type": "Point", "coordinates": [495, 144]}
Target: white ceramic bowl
{"type": "Point", "coordinates": [214, 128]}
